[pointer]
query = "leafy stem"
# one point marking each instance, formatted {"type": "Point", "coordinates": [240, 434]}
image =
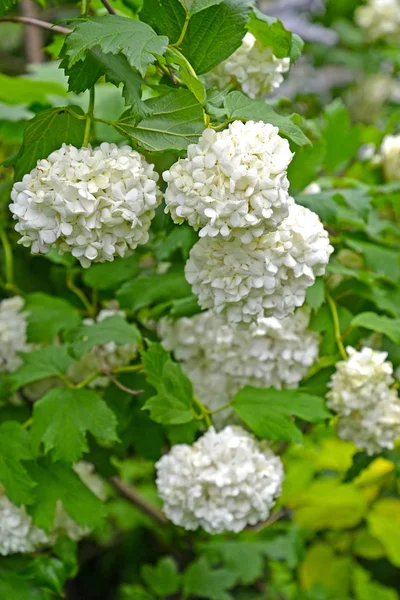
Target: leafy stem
{"type": "Point", "coordinates": [336, 325]}
{"type": "Point", "coordinates": [80, 293]}
{"type": "Point", "coordinates": [204, 412]}
{"type": "Point", "coordinates": [89, 117]}
{"type": "Point", "coordinates": [9, 263]}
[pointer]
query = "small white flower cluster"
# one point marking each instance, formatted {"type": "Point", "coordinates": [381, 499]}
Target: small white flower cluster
{"type": "Point", "coordinates": [95, 203]}
{"type": "Point", "coordinates": [17, 532]}
{"type": "Point", "coordinates": [267, 277]}
{"type": "Point", "coordinates": [221, 357]}
{"type": "Point", "coordinates": [114, 355]}
{"type": "Point", "coordinates": [380, 18]}
{"type": "Point", "coordinates": [13, 328]}
{"type": "Point", "coordinates": [223, 482]}
{"type": "Point", "coordinates": [390, 156]}
{"type": "Point", "coordinates": [233, 182]}
{"type": "Point", "coordinates": [253, 67]}
{"type": "Point", "coordinates": [368, 408]}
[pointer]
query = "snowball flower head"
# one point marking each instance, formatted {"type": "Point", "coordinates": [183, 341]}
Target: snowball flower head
{"type": "Point", "coordinates": [368, 408]}
{"type": "Point", "coordinates": [13, 326]}
{"type": "Point", "coordinates": [17, 532]}
{"type": "Point", "coordinates": [96, 203]}
{"type": "Point", "coordinates": [252, 67]}
{"type": "Point", "coordinates": [223, 482]}
{"type": "Point", "coordinates": [380, 18]}
{"type": "Point", "coordinates": [233, 182]}
{"type": "Point", "coordinates": [390, 154]}
{"type": "Point", "coordinates": [267, 277]}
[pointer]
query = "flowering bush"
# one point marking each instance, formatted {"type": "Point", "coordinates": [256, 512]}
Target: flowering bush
{"type": "Point", "coordinates": [200, 301]}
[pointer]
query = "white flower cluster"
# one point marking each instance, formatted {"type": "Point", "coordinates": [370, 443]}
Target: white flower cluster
{"type": "Point", "coordinates": [114, 355]}
{"type": "Point", "coordinates": [253, 67]}
{"type": "Point", "coordinates": [17, 532]}
{"type": "Point", "coordinates": [380, 18]}
{"type": "Point", "coordinates": [95, 203]}
{"type": "Point", "coordinates": [267, 277]}
{"type": "Point", "coordinates": [368, 408]}
{"type": "Point", "coordinates": [233, 182]}
{"type": "Point", "coordinates": [13, 327]}
{"type": "Point", "coordinates": [390, 156]}
{"type": "Point", "coordinates": [223, 482]}
{"type": "Point", "coordinates": [221, 357]}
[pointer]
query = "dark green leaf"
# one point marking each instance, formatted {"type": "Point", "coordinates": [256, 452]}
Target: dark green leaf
{"type": "Point", "coordinates": [63, 417]}
{"type": "Point", "coordinates": [147, 290]}
{"type": "Point", "coordinates": [107, 276]}
{"type": "Point", "coordinates": [163, 579]}
{"type": "Point", "coordinates": [239, 106]}
{"type": "Point", "coordinates": [385, 325]}
{"type": "Point", "coordinates": [47, 132]}
{"type": "Point", "coordinates": [271, 33]}
{"type": "Point", "coordinates": [5, 6]}
{"type": "Point", "coordinates": [115, 35]}
{"type": "Point", "coordinates": [182, 237]}
{"type": "Point", "coordinates": [176, 121]}
{"type": "Point", "coordinates": [14, 448]}
{"type": "Point", "coordinates": [342, 140]}
{"type": "Point", "coordinates": [48, 315]}
{"type": "Point", "coordinates": [50, 361]}
{"type": "Point", "coordinates": [14, 586]}
{"type": "Point", "coordinates": [112, 329]}
{"type": "Point", "coordinates": [315, 296]}
{"type": "Point", "coordinates": [47, 572]}
{"type": "Point", "coordinates": [204, 582]}
{"type": "Point", "coordinates": [165, 16]}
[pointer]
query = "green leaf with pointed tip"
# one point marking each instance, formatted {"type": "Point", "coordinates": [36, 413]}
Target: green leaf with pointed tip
{"type": "Point", "coordinates": [203, 581]}
{"type": "Point", "coordinates": [48, 316]}
{"type": "Point", "coordinates": [163, 579]}
{"type": "Point", "coordinates": [113, 329]}
{"type": "Point", "coordinates": [385, 325]}
{"type": "Point", "coordinates": [63, 418]}
{"type": "Point", "coordinates": [165, 16]}
{"type": "Point", "coordinates": [14, 448]}
{"type": "Point", "coordinates": [50, 361]}
{"type": "Point", "coordinates": [271, 33]}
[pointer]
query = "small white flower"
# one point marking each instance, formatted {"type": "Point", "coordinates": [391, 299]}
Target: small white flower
{"type": "Point", "coordinates": [17, 532]}
{"type": "Point", "coordinates": [232, 182]}
{"type": "Point", "coordinates": [368, 408]}
{"type": "Point", "coordinates": [95, 203]}
{"type": "Point", "coordinates": [223, 482]}
{"type": "Point", "coordinates": [390, 154]}
{"type": "Point", "coordinates": [252, 67]}
{"type": "Point", "coordinates": [380, 18]}
{"type": "Point", "coordinates": [13, 328]}
{"type": "Point", "coordinates": [267, 277]}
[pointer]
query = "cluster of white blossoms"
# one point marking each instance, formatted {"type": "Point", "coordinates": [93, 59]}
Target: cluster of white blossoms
{"type": "Point", "coordinates": [380, 18]}
{"type": "Point", "coordinates": [267, 277]}
{"type": "Point", "coordinates": [96, 203]}
{"type": "Point", "coordinates": [253, 67]}
{"type": "Point", "coordinates": [390, 156]}
{"type": "Point", "coordinates": [112, 354]}
{"type": "Point", "coordinates": [223, 482]}
{"type": "Point", "coordinates": [222, 357]}
{"type": "Point", "coordinates": [367, 406]}
{"type": "Point", "coordinates": [233, 182]}
{"type": "Point", "coordinates": [13, 328]}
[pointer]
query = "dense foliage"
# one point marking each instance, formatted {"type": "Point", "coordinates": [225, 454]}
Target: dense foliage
{"type": "Point", "coordinates": [200, 302]}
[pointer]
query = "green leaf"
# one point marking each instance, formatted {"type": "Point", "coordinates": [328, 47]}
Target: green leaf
{"type": "Point", "coordinates": [147, 290]}
{"type": "Point", "coordinates": [5, 6]}
{"type": "Point", "coordinates": [63, 417]}
{"type": "Point", "coordinates": [13, 89]}
{"type": "Point", "coordinates": [172, 404]}
{"type": "Point", "coordinates": [115, 35]}
{"type": "Point", "coordinates": [112, 329]}
{"type": "Point", "coordinates": [268, 411]}
{"type": "Point", "coordinates": [315, 296]}
{"type": "Point", "coordinates": [48, 316]}
{"type": "Point", "coordinates": [271, 33]}
{"type": "Point", "coordinates": [214, 32]}
{"type": "Point", "coordinates": [182, 238]}
{"type": "Point", "coordinates": [188, 77]}
{"type": "Point", "coordinates": [342, 140]}
{"type": "Point", "coordinates": [365, 589]}
{"type": "Point", "coordinates": [384, 261]}
{"type": "Point", "coordinates": [176, 121]}
{"type": "Point", "coordinates": [14, 586]}
{"type": "Point", "coordinates": [51, 361]}
{"type": "Point", "coordinates": [239, 106]}
{"type": "Point", "coordinates": [163, 579]}
{"type": "Point", "coordinates": [59, 482]}
{"type": "Point", "coordinates": [200, 580]}
{"type": "Point", "coordinates": [47, 572]}
{"type": "Point", "coordinates": [47, 132]}
{"type": "Point", "coordinates": [107, 276]}
{"type": "Point", "coordinates": [385, 325]}
{"type": "Point", "coordinates": [165, 16]}
{"type": "Point", "coordinates": [14, 448]}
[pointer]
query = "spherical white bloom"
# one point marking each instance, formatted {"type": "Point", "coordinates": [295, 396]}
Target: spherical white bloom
{"type": "Point", "coordinates": [17, 532]}
{"type": "Point", "coordinates": [390, 153]}
{"type": "Point", "coordinates": [112, 354]}
{"type": "Point", "coordinates": [223, 482]}
{"type": "Point", "coordinates": [95, 203]}
{"type": "Point", "coordinates": [13, 326]}
{"type": "Point", "coordinates": [267, 277]}
{"type": "Point", "coordinates": [252, 67]}
{"type": "Point", "coordinates": [233, 182]}
{"type": "Point", "coordinates": [368, 408]}
{"type": "Point", "coordinates": [381, 18]}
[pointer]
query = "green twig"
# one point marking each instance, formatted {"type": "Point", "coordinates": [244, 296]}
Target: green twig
{"type": "Point", "coordinates": [128, 369]}
{"type": "Point", "coordinates": [336, 325]}
{"type": "Point", "coordinates": [204, 413]}
{"type": "Point", "coordinates": [88, 380]}
{"type": "Point", "coordinates": [9, 263]}
{"type": "Point", "coordinates": [183, 32]}
{"type": "Point", "coordinates": [89, 117]}
{"type": "Point", "coordinates": [217, 410]}
{"type": "Point", "coordinates": [80, 293]}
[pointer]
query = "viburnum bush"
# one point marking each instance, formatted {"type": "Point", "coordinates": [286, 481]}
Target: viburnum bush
{"type": "Point", "coordinates": [200, 303]}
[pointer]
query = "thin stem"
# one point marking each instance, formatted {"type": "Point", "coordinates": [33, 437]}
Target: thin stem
{"type": "Point", "coordinates": [108, 6]}
{"type": "Point", "coordinates": [183, 32]}
{"type": "Point", "coordinates": [136, 499]}
{"type": "Point", "coordinates": [9, 263]}
{"type": "Point", "coordinates": [336, 325]}
{"type": "Point", "coordinates": [217, 410]}
{"type": "Point", "coordinates": [89, 117]}
{"type": "Point", "coordinates": [37, 23]}
{"type": "Point", "coordinates": [271, 519]}
{"type": "Point", "coordinates": [128, 369]}
{"type": "Point", "coordinates": [67, 382]}
{"type": "Point", "coordinates": [88, 380]}
{"type": "Point", "coordinates": [204, 413]}
{"type": "Point", "coordinates": [121, 386]}
{"type": "Point", "coordinates": [80, 293]}
{"type": "Point", "coordinates": [185, 60]}
{"type": "Point", "coordinates": [85, 7]}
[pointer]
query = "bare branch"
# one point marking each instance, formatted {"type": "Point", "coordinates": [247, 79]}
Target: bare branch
{"type": "Point", "coordinates": [271, 519]}
{"type": "Point", "coordinates": [108, 6]}
{"type": "Point", "coordinates": [134, 498]}
{"type": "Point", "coordinates": [37, 23]}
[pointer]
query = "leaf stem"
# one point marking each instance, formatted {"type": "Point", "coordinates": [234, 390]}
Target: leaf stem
{"type": "Point", "coordinates": [336, 325]}
{"type": "Point", "coordinates": [88, 380]}
{"type": "Point", "coordinates": [128, 369]}
{"type": "Point", "coordinates": [220, 409]}
{"type": "Point", "coordinates": [9, 263]}
{"type": "Point", "coordinates": [183, 32]}
{"type": "Point", "coordinates": [89, 117]}
{"type": "Point", "coordinates": [80, 293]}
{"type": "Point", "coordinates": [136, 499]}
{"type": "Point", "coordinates": [108, 6]}
{"type": "Point", "coordinates": [204, 413]}
{"type": "Point", "coordinates": [85, 7]}
{"type": "Point", "coordinates": [36, 23]}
